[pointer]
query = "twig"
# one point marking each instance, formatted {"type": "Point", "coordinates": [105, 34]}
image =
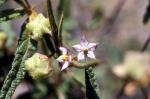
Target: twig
{"type": "Point", "coordinates": [146, 44]}
{"type": "Point", "coordinates": [10, 14]}
{"type": "Point", "coordinates": [121, 92]}
{"type": "Point", "coordinates": [144, 92]}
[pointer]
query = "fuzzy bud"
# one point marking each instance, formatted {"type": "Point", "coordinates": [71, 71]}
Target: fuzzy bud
{"type": "Point", "coordinates": [37, 26]}
{"type": "Point", "coordinates": [38, 66]}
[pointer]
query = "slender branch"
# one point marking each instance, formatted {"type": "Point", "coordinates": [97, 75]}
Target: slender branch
{"type": "Point", "coordinates": [21, 3]}
{"type": "Point", "coordinates": [27, 4]}
{"type": "Point", "coordinates": [147, 13]}
{"type": "Point", "coordinates": [110, 22]}
{"type": "Point", "coordinates": [144, 92]}
{"type": "Point", "coordinates": [146, 44]}
{"type": "Point", "coordinates": [121, 92]}
{"type": "Point", "coordinates": [10, 14]}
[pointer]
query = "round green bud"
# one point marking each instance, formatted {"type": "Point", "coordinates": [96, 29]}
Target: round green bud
{"type": "Point", "coordinates": [37, 26]}
{"type": "Point", "coordinates": [38, 66]}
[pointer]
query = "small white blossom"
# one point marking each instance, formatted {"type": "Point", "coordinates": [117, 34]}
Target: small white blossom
{"type": "Point", "coordinates": [65, 58]}
{"type": "Point", "coordinates": [85, 49]}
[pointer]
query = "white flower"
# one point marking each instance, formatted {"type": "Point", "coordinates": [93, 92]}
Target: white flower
{"type": "Point", "coordinates": [65, 58]}
{"type": "Point", "coordinates": [85, 49]}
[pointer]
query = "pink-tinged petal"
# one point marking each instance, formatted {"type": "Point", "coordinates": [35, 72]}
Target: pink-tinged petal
{"type": "Point", "coordinates": [77, 47]}
{"type": "Point", "coordinates": [70, 58]}
{"type": "Point", "coordinates": [92, 46]}
{"type": "Point", "coordinates": [60, 59]}
{"type": "Point", "coordinates": [63, 50]}
{"type": "Point", "coordinates": [83, 41]}
{"type": "Point", "coordinates": [91, 54]}
{"type": "Point", "coordinates": [65, 65]}
{"type": "Point", "coordinates": [81, 56]}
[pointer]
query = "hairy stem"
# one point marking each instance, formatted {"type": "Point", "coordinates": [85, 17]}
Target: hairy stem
{"type": "Point", "coordinates": [15, 65]}
{"type": "Point", "coordinates": [32, 47]}
{"type": "Point", "coordinates": [92, 89]}
{"type": "Point", "coordinates": [10, 14]}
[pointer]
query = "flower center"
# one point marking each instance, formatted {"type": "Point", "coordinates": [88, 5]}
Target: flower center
{"type": "Point", "coordinates": [84, 49]}
{"type": "Point", "coordinates": [65, 57]}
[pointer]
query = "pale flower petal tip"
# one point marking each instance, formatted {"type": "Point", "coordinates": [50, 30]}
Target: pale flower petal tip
{"type": "Point", "coordinates": [92, 46]}
{"type": "Point", "coordinates": [65, 65]}
{"type": "Point", "coordinates": [60, 59]}
{"type": "Point", "coordinates": [81, 56]}
{"type": "Point", "coordinates": [77, 47]}
{"type": "Point", "coordinates": [70, 58]}
{"type": "Point", "coordinates": [63, 50]}
{"type": "Point", "coordinates": [83, 41]}
{"type": "Point", "coordinates": [91, 54]}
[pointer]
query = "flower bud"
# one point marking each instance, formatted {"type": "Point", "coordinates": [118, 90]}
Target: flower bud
{"type": "Point", "coordinates": [3, 39]}
{"type": "Point", "coordinates": [37, 26]}
{"type": "Point", "coordinates": [38, 66]}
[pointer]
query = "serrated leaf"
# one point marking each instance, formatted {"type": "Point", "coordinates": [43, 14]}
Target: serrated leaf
{"type": "Point", "coordinates": [10, 14]}
{"type": "Point", "coordinates": [20, 51]}
{"type": "Point", "coordinates": [92, 90]}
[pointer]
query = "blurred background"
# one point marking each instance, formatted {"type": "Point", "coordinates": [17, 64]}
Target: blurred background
{"type": "Point", "coordinates": [124, 72]}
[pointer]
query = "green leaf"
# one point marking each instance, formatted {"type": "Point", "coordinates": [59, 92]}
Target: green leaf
{"type": "Point", "coordinates": [60, 8]}
{"type": "Point", "coordinates": [63, 6]}
{"type": "Point", "coordinates": [20, 51]}
{"type": "Point", "coordinates": [92, 89]}
{"type": "Point", "coordinates": [15, 65]}
{"type": "Point", "coordinates": [10, 14]}
{"type": "Point", "coordinates": [60, 28]}
{"type": "Point", "coordinates": [53, 23]}
{"type": "Point", "coordinates": [32, 47]}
